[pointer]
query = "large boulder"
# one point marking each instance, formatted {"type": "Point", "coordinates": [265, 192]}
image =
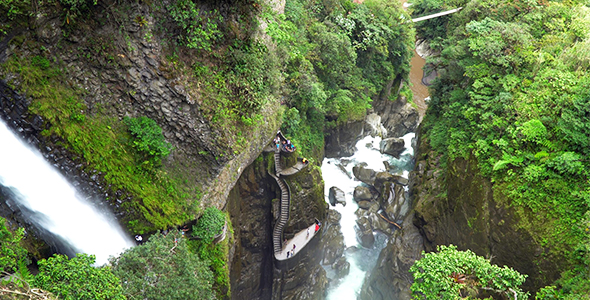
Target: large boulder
{"type": "Point", "coordinates": [365, 232]}
{"type": "Point", "coordinates": [336, 195]}
{"type": "Point", "coordinates": [364, 204]}
{"type": "Point", "coordinates": [390, 278]}
{"type": "Point", "coordinates": [392, 146]}
{"type": "Point", "coordinates": [362, 193]}
{"type": "Point", "coordinates": [364, 174]}
{"type": "Point", "coordinates": [342, 267]}
{"type": "Point", "coordinates": [377, 223]}
{"type": "Point", "coordinates": [332, 239]}
{"type": "Point", "coordinates": [374, 127]}
{"type": "Point", "coordinates": [394, 202]}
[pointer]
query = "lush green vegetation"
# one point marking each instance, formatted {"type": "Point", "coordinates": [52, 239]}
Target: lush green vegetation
{"type": "Point", "coordinates": [515, 95]}
{"type": "Point", "coordinates": [209, 225]}
{"type": "Point", "coordinates": [453, 274]}
{"type": "Point", "coordinates": [339, 56]}
{"type": "Point", "coordinates": [108, 145]}
{"type": "Point", "coordinates": [148, 141]}
{"type": "Point", "coordinates": [77, 279]}
{"type": "Point", "coordinates": [11, 250]}
{"type": "Point", "coordinates": [163, 268]}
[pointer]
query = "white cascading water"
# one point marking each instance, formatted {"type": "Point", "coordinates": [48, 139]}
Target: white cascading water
{"type": "Point", "coordinates": [361, 260]}
{"type": "Point", "coordinates": [54, 202]}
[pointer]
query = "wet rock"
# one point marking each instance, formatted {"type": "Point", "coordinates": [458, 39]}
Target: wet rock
{"type": "Point", "coordinates": [398, 117]}
{"type": "Point", "coordinates": [341, 141]}
{"type": "Point", "coordinates": [400, 180]}
{"type": "Point", "coordinates": [336, 195]}
{"type": "Point", "coordinates": [332, 241]}
{"type": "Point", "coordinates": [364, 204]}
{"type": "Point", "coordinates": [343, 169]}
{"type": "Point", "coordinates": [381, 180]}
{"type": "Point", "coordinates": [392, 146]}
{"type": "Point", "coordinates": [374, 127]}
{"type": "Point", "coordinates": [364, 174]}
{"type": "Point", "coordinates": [390, 278]}
{"type": "Point", "coordinates": [342, 267]}
{"type": "Point", "coordinates": [362, 193]}
{"type": "Point", "coordinates": [365, 232]}
{"type": "Point", "coordinates": [394, 202]}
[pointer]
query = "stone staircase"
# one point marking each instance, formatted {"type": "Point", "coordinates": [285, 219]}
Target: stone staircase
{"type": "Point", "coordinates": [277, 236]}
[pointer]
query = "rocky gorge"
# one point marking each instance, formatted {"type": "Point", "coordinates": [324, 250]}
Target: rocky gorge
{"type": "Point", "coordinates": [403, 212]}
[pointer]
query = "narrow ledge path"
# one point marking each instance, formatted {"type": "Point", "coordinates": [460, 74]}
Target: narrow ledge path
{"type": "Point", "coordinates": [283, 249]}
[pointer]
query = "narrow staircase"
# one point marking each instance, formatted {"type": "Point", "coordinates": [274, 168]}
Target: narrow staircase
{"type": "Point", "coordinates": [277, 235]}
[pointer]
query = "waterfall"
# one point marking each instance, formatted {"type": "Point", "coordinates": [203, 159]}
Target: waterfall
{"type": "Point", "coordinates": [363, 259]}
{"type": "Point", "coordinates": [52, 203]}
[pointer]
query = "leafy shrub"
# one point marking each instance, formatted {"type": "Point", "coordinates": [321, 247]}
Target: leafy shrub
{"type": "Point", "coordinates": [74, 8]}
{"type": "Point", "coordinates": [443, 274]}
{"type": "Point", "coordinates": [41, 62]}
{"type": "Point", "coordinates": [200, 27]}
{"type": "Point", "coordinates": [11, 251]}
{"type": "Point", "coordinates": [78, 279]}
{"type": "Point", "coordinates": [149, 139]}
{"type": "Point", "coordinates": [163, 268]}
{"type": "Point", "coordinates": [209, 224]}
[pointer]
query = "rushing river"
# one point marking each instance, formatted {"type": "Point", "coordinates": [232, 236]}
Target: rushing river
{"type": "Point", "coordinates": [361, 259]}
{"type": "Point", "coordinates": [48, 200]}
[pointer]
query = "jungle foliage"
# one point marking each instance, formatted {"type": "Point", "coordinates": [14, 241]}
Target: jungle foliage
{"type": "Point", "coordinates": [515, 94]}
{"type": "Point", "coordinates": [453, 274]}
{"type": "Point", "coordinates": [77, 279]}
{"type": "Point", "coordinates": [163, 268]}
{"type": "Point", "coordinates": [339, 56]}
{"type": "Point", "coordinates": [11, 250]}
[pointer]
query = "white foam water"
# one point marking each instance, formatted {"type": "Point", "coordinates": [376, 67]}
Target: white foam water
{"type": "Point", "coordinates": [54, 204]}
{"type": "Point", "coordinates": [368, 152]}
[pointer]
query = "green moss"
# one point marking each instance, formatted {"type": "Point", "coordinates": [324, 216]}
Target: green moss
{"type": "Point", "coordinates": [104, 144]}
{"type": "Point", "coordinates": [217, 256]}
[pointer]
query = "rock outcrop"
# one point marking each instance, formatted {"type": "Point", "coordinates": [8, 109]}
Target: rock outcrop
{"type": "Point", "coordinates": [398, 117]}
{"type": "Point", "coordinates": [390, 278]}
{"type": "Point", "coordinates": [341, 141]}
{"type": "Point", "coordinates": [332, 239]}
{"type": "Point", "coordinates": [466, 212]}
{"type": "Point", "coordinates": [392, 146]}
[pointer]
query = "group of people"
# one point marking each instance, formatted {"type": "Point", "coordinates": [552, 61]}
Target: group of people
{"type": "Point", "coordinates": [286, 144]}
{"type": "Point", "coordinates": [291, 252]}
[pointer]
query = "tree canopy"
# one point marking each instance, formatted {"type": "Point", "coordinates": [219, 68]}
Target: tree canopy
{"type": "Point", "coordinates": [77, 278]}
{"type": "Point", "coordinates": [163, 269]}
{"type": "Point", "coordinates": [453, 274]}
{"type": "Point", "coordinates": [513, 94]}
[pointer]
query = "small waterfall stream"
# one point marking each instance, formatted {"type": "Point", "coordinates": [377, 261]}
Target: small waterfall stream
{"type": "Point", "coordinates": [48, 200]}
{"type": "Point", "coordinates": [363, 259]}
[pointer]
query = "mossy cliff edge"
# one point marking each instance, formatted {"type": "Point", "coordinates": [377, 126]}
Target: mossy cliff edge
{"type": "Point", "coordinates": [82, 79]}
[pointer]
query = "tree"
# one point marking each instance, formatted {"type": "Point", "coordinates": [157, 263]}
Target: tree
{"type": "Point", "coordinates": [77, 278]}
{"type": "Point", "coordinates": [453, 274]}
{"type": "Point", "coordinates": [11, 251]}
{"type": "Point", "coordinates": [163, 269]}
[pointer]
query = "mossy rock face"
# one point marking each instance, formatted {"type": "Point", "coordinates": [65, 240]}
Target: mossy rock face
{"type": "Point", "coordinates": [467, 212]}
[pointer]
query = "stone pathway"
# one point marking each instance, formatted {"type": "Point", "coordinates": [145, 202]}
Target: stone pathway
{"type": "Point", "coordinates": [300, 240]}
